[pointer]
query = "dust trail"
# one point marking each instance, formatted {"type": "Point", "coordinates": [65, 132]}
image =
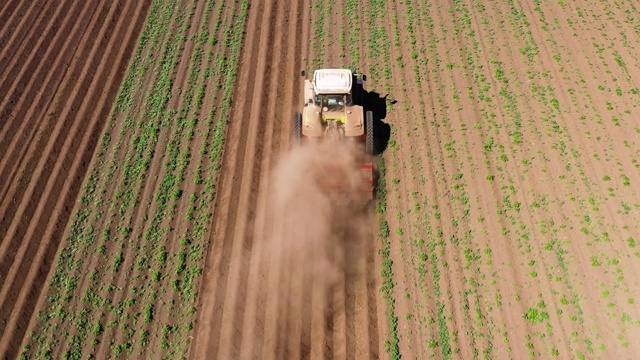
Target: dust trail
{"type": "Point", "coordinates": [315, 238]}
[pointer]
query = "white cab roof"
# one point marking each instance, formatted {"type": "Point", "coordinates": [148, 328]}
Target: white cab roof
{"type": "Point", "coordinates": [332, 81]}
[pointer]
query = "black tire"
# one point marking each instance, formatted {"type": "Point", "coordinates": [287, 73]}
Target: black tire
{"type": "Point", "coordinates": [297, 128]}
{"type": "Point", "coordinates": [369, 132]}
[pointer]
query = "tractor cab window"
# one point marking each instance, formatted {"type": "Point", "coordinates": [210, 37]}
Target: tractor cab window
{"type": "Point", "coordinates": [333, 102]}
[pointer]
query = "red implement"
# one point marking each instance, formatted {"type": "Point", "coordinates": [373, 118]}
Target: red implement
{"type": "Point", "coordinates": [362, 182]}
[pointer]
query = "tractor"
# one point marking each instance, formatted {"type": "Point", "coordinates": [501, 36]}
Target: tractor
{"type": "Point", "coordinates": [333, 110]}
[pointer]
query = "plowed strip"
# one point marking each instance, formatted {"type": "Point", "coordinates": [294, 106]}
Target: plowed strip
{"type": "Point", "coordinates": [36, 212]}
{"type": "Point", "coordinates": [258, 293]}
{"type": "Point", "coordinates": [62, 44]}
{"type": "Point", "coordinates": [229, 183]}
{"type": "Point", "coordinates": [14, 30]}
{"type": "Point", "coordinates": [6, 9]}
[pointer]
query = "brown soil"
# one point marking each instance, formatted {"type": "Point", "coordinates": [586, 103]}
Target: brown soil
{"type": "Point", "coordinates": [288, 276]}
{"type": "Point", "coordinates": [556, 252]}
{"type": "Point", "coordinates": [511, 178]}
{"type": "Point", "coordinates": [57, 58]}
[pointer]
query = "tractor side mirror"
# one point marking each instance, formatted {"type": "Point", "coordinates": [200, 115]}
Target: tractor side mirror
{"type": "Point", "coordinates": [364, 77]}
{"type": "Point", "coordinates": [303, 73]}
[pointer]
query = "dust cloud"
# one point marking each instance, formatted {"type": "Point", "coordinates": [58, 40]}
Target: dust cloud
{"type": "Point", "coordinates": [315, 212]}
{"type": "Point", "coordinates": [318, 232]}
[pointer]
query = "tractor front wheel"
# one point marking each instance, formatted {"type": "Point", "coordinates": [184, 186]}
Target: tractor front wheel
{"type": "Point", "coordinates": [369, 132]}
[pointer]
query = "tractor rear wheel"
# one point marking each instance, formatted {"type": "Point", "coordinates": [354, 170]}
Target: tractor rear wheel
{"type": "Point", "coordinates": [369, 132]}
{"type": "Point", "coordinates": [297, 128]}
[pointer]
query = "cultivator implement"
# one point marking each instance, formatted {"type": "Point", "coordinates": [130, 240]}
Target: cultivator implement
{"type": "Point", "coordinates": [334, 181]}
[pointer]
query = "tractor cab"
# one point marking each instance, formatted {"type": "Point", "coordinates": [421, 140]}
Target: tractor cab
{"type": "Point", "coordinates": [329, 106]}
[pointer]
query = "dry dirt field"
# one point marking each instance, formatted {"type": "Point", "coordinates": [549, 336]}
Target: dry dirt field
{"type": "Point", "coordinates": [151, 207]}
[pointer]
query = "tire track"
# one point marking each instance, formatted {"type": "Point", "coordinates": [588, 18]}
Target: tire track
{"type": "Point", "coordinates": [369, 298]}
{"type": "Point", "coordinates": [374, 314]}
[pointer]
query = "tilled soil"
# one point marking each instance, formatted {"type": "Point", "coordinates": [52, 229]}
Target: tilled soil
{"type": "Point", "coordinates": [283, 279]}
{"type": "Point", "coordinates": [62, 65]}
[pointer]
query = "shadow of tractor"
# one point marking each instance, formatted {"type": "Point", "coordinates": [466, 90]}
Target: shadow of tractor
{"type": "Point", "coordinates": [372, 101]}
